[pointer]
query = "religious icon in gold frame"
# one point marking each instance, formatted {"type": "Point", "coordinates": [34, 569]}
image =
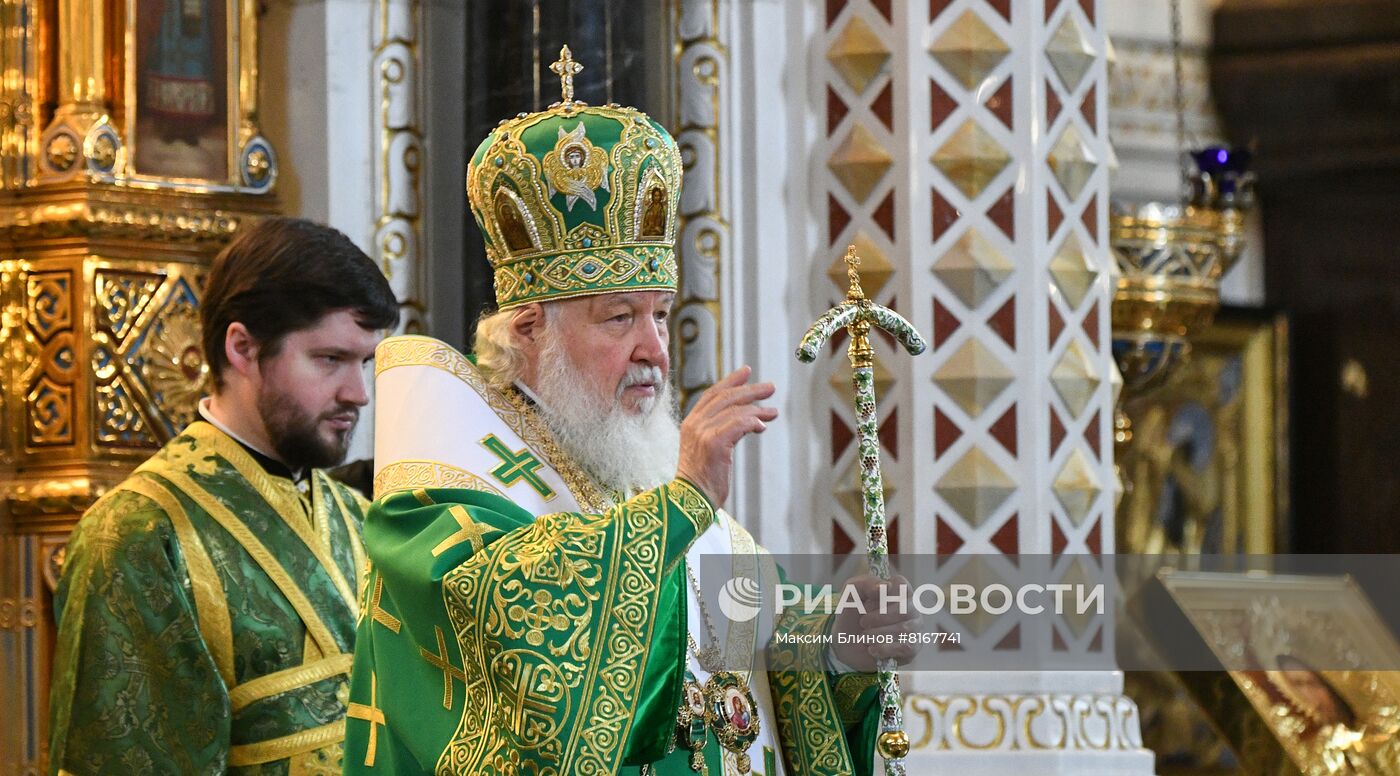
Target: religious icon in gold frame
{"type": "Point", "coordinates": [1207, 467]}
{"type": "Point", "coordinates": [181, 75]}
{"type": "Point", "coordinates": [1311, 687]}
{"type": "Point", "coordinates": [192, 68]}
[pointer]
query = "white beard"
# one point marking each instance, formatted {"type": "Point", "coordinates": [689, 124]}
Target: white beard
{"type": "Point", "coordinates": [624, 451]}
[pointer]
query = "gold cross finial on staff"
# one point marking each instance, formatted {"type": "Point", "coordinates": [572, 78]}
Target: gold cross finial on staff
{"type": "Point", "coordinates": [855, 293]}
{"type": "Point", "coordinates": [566, 68]}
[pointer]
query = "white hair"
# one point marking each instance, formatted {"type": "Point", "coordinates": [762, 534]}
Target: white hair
{"type": "Point", "coordinates": [625, 451]}
{"type": "Point", "coordinates": [498, 355]}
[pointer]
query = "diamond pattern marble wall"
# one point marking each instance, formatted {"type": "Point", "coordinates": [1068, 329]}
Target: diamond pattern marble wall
{"type": "Point", "coordinates": [863, 200]}
{"type": "Point", "coordinates": [962, 149]}
{"type": "Point", "coordinates": [990, 234]}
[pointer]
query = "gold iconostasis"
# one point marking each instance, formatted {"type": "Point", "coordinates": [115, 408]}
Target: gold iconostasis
{"type": "Point", "coordinates": [130, 151]}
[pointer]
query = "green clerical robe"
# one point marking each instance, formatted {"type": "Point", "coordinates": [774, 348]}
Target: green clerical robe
{"type": "Point", "coordinates": [548, 640]}
{"type": "Point", "coordinates": [206, 619]}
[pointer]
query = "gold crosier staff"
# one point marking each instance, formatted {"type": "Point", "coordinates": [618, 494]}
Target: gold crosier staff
{"type": "Point", "coordinates": [858, 314]}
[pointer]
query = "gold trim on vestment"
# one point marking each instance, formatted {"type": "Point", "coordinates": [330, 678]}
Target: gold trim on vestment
{"type": "Point", "coordinates": [849, 688]}
{"type": "Point", "coordinates": [512, 408]}
{"type": "Point", "coordinates": [414, 474]}
{"type": "Point", "coordinates": [210, 600]}
{"type": "Point", "coordinates": [286, 746]}
{"type": "Point", "coordinates": [742, 636]}
{"type": "Point", "coordinates": [357, 545]}
{"type": "Point", "coordinates": [254, 547]}
{"type": "Point", "coordinates": [692, 504]}
{"type": "Point", "coordinates": [284, 500]}
{"type": "Point", "coordinates": [288, 679]}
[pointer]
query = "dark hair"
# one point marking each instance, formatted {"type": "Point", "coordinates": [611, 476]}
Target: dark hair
{"type": "Point", "coordinates": [281, 275]}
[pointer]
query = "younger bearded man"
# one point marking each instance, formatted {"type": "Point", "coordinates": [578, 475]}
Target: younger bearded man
{"type": "Point", "coordinates": [207, 607]}
{"type": "Point", "coordinates": [529, 608]}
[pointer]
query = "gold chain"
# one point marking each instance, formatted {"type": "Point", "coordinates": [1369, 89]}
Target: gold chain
{"type": "Point", "coordinates": [708, 656]}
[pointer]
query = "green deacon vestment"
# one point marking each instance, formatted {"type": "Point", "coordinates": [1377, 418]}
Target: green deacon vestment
{"type": "Point", "coordinates": [206, 618]}
{"type": "Point", "coordinates": [548, 640]}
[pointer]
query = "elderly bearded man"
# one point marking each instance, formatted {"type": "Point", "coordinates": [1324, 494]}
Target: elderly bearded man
{"type": "Point", "coordinates": [530, 609]}
{"type": "Point", "coordinates": [206, 613]}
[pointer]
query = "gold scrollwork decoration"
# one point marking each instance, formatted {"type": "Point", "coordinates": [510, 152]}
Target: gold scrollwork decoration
{"type": "Point", "coordinates": [50, 308]}
{"type": "Point", "coordinates": [173, 223]}
{"type": "Point", "coordinates": [703, 232]}
{"type": "Point", "coordinates": [397, 127]}
{"type": "Point", "coordinates": [15, 113]}
{"type": "Point", "coordinates": [1038, 722]}
{"type": "Point", "coordinates": [119, 422]}
{"type": "Point", "coordinates": [120, 297]}
{"type": "Point", "coordinates": [64, 496]}
{"type": "Point", "coordinates": [408, 475]}
{"type": "Point", "coordinates": [57, 360]}
{"type": "Point", "coordinates": [50, 413]}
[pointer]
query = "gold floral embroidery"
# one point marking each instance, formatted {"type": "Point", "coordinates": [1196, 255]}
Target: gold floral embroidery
{"type": "Point", "coordinates": [357, 545]}
{"type": "Point", "coordinates": [849, 688]}
{"type": "Point", "coordinates": [542, 587]}
{"type": "Point", "coordinates": [191, 457]}
{"type": "Point", "coordinates": [280, 494]}
{"type": "Point", "coordinates": [260, 554]}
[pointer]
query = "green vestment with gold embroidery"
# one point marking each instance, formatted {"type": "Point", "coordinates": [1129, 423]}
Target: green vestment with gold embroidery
{"type": "Point", "coordinates": [504, 639]}
{"type": "Point", "coordinates": [206, 619]}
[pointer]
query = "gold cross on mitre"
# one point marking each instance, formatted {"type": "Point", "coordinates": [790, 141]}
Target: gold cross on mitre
{"type": "Point", "coordinates": [566, 68]}
{"type": "Point", "coordinates": [371, 714]}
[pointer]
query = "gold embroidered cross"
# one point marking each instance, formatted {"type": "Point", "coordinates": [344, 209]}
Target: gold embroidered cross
{"type": "Point", "coordinates": [380, 616]}
{"type": "Point", "coordinates": [566, 68]}
{"type": "Point", "coordinates": [540, 616]}
{"type": "Point", "coordinates": [528, 691]}
{"type": "Point", "coordinates": [371, 714]}
{"type": "Point", "coordinates": [470, 531]}
{"type": "Point", "coordinates": [449, 671]}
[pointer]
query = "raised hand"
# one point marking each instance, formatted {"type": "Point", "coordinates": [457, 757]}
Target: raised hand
{"type": "Point", "coordinates": [724, 414]}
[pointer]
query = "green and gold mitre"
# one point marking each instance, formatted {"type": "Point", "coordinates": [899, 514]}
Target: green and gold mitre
{"type": "Point", "coordinates": [577, 200]}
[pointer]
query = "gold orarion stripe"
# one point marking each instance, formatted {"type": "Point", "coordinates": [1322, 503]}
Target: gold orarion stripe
{"type": "Point", "coordinates": [210, 600]}
{"type": "Point", "coordinates": [288, 679]}
{"type": "Point", "coordinates": [261, 555]}
{"type": "Point", "coordinates": [286, 746]}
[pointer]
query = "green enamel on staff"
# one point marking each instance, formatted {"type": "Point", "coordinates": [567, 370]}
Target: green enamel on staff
{"type": "Point", "coordinates": [858, 314]}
